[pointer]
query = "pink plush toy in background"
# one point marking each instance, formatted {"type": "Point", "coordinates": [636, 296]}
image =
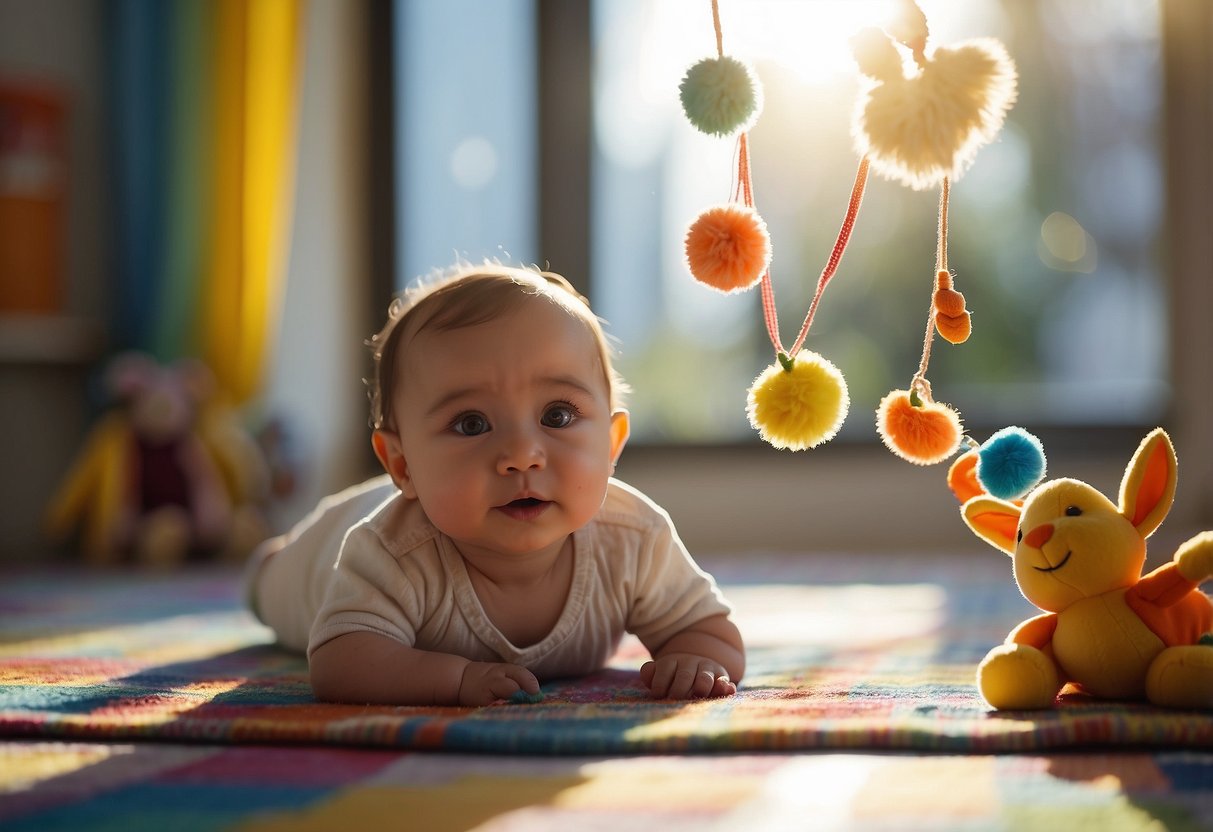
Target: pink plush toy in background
{"type": "Point", "coordinates": [1107, 630]}
{"type": "Point", "coordinates": [163, 475]}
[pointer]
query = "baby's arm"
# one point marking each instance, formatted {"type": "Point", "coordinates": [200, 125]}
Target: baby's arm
{"type": "Point", "coordinates": [705, 659]}
{"type": "Point", "coordinates": [367, 668]}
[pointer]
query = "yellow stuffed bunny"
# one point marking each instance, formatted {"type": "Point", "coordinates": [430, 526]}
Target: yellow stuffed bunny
{"type": "Point", "coordinates": [1107, 630]}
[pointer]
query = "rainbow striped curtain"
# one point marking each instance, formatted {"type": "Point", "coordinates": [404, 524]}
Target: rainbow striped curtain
{"type": "Point", "coordinates": [204, 95]}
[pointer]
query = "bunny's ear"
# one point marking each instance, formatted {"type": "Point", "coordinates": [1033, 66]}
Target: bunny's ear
{"type": "Point", "coordinates": [962, 478]}
{"type": "Point", "coordinates": [1148, 488]}
{"type": "Point", "coordinates": [993, 520]}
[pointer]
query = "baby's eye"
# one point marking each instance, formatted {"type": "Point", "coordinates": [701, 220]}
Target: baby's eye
{"type": "Point", "coordinates": [559, 415]}
{"type": "Point", "coordinates": [470, 424]}
{"type": "Point", "coordinates": [1073, 511]}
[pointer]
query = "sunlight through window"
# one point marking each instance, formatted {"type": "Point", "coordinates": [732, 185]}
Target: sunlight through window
{"type": "Point", "coordinates": [1053, 233]}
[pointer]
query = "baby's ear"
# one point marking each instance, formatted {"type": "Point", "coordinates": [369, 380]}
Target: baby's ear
{"type": "Point", "coordinates": [1148, 487]}
{"type": "Point", "coordinates": [621, 429]}
{"type": "Point", "coordinates": [993, 520]}
{"type": "Point", "coordinates": [391, 456]}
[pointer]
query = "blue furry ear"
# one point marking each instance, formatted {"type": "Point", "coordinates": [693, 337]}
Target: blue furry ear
{"type": "Point", "coordinates": [1010, 462]}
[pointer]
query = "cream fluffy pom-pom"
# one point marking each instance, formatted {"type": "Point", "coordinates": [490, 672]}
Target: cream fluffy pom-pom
{"type": "Point", "coordinates": [919, 129]}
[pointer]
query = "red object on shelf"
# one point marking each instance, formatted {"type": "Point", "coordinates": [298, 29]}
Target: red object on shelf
{"type": "Point", "coordinates": [33, 197]}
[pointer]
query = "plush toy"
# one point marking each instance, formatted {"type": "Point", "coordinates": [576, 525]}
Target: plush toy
{"type": "Point", "coordinates": [163, 475]}
{"type": "Point", "coordinates": [1107, 631]}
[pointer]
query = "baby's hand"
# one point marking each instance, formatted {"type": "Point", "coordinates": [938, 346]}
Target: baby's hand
{"type": "Point", "coordinates": [485, 682]}
{"type": "Point", "coordinates": [686, 676]}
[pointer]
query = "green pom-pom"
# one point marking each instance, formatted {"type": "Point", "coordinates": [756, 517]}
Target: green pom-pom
{"type": "Point", "coordinates": [720, 96]}
{"type": "Point", "coordinates": [521, 697]}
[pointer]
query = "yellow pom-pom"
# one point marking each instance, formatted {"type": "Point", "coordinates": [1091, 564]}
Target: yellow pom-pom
{"type": "Point", "coordinates": [920, 129]}
{"type": "Point", "coordinates": [801, 407]}
{"type": "Point", "coordinates": [924, 434]}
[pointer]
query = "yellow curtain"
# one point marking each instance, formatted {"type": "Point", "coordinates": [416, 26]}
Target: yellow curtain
{"type": "Point", "coordinates": [258, 65]}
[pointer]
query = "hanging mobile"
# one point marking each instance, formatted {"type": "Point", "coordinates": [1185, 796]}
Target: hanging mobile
{"type": "Point", "coordinates": [801, 400]}
{"type": "Point", "coordinates": [922, 128]}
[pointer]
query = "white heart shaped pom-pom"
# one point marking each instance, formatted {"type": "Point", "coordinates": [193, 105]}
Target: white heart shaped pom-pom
{"type": "Point", "coordinates": [919, 129]}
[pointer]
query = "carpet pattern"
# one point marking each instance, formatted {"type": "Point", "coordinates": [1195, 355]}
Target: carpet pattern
{"type": "Point", "coordinates": [151, 787]}
{"type": "Point", "coordinates": [134, 701]}
{"type": "Point", "coordinates": [875, 658]}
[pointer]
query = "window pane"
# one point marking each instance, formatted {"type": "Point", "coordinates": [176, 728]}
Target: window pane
{"type": "Point", "coordinates": [465, 82]}
{"type": "Point", "coordinates": [1053, 236]}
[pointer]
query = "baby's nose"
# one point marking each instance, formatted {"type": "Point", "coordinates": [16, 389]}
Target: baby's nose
{"type": "Point", "coordinates": [1039, 536]}
{"type": "Point", "coordinates": [520, 452]}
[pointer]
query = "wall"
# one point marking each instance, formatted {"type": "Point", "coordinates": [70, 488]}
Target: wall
{"type": "Point", "coordinates": [316, 376]}
{"type": "Point", "coordinates": [45, 360]}
{"type": "Point", "coordinates": [45, 365]}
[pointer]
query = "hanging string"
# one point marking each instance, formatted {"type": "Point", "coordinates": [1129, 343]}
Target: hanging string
{"type": "Point", "coordinates": [719, 31]}
{"type": "Point", "coordinates": [920, 383]}
{"type": "Point", "coordinates": [770, 317]}
{"type": "Point", "coordinates": [941, 246]}
{"type": "Point", "coordinates": [745, 191]}
{"type": "Point", "coordinates": [840, 246]}
{"type": "Point", "coordinates": [745, 185]}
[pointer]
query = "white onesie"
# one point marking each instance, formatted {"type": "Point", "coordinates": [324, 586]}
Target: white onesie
{"type": "Point", "coordinates": [369, 559]}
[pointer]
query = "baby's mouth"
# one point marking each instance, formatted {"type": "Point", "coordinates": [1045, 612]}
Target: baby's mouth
{"type": "Point", "coordinates": [524, 508]}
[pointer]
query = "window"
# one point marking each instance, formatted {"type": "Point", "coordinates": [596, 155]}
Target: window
{"type": "Point", "coordinates": [1054, 229]}
{"type": "Point", "coordinates": [465, 135]}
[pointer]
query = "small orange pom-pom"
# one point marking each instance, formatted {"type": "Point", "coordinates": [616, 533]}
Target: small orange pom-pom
{"type": "Point", "coordinates": [949, 302]}
{"type": "Point", "coordinates": [923, 434]}
{"type": "Point", "coordinates": [728, 248]}
{"type": "Point", "coordinates": [955, 329]}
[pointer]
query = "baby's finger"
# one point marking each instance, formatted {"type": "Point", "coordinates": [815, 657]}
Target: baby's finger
{"type": "Point", "coordinates": [663, 675]}
{"type": "Point", "coordinates": [646, 673]}
{"type": "Point", "coordinates": [683, 682]}
{"type": "Point", "coordinates": [502, 686]}
{"type": "Point", "coordinates": [704, 684]}
{"type": "Point", "coordinates": [723, 686]}
{"type": "Point", "coordinates": [525, 678]}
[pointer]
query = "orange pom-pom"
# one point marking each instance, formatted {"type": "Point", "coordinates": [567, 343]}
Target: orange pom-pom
{"type": "Point", "coordinates": [949, 302]}
{"type": "Point", "coordinates": [923, 434]}
{"type": "Point", "coordinates": [728, 248]}
{"type": "Point", "coordinates": [955, 329]}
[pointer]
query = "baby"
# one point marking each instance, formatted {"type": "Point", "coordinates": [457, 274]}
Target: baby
{"type": "Point", "coordinates": [497, 551]}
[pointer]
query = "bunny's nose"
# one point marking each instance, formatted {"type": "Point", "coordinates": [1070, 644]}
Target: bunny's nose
{"type": "Point", "coordinates": [1039, 536]}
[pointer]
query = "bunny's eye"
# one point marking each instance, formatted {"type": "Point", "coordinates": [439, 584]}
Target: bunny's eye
{"type": "Point", "coordinates": [1073, 511]}
{"type": "Point", "coordinates": [1019, 537]}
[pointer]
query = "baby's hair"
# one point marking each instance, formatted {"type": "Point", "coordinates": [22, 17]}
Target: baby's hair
{"type": "Point", "coordinates": [467, 296]}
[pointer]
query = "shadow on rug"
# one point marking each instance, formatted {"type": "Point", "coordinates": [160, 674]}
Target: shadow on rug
{"type": "Point", "coordinates": [874, 654]}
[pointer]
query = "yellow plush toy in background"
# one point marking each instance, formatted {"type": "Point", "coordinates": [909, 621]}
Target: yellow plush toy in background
{"type": "Point", "coordinates": [1107, 631]}
{"type": "Point", "coordinates": [167, 473]}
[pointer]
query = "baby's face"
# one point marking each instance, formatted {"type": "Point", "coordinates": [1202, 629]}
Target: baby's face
{"type": "Point", "coordinates": [506, 429]}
